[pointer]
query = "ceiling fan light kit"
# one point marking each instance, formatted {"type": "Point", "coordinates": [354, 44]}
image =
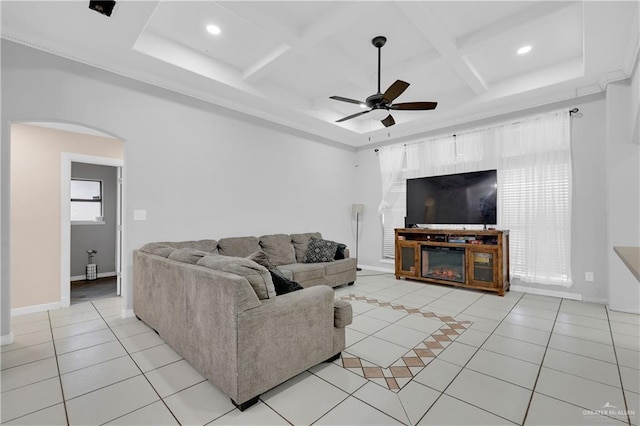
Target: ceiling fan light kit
{"type": "Point", "coordinates": [380, 102]}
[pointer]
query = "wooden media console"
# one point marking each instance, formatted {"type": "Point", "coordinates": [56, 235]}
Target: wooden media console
{"type": "Point", "coordinates": [470, 259]}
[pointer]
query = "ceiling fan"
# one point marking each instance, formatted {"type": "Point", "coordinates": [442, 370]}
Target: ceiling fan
{"type": "Point", "coordinates": [384, 101]}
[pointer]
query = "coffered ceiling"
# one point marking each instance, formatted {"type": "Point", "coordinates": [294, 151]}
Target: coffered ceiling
{"type": "Point", "coordinates": [281, 61]}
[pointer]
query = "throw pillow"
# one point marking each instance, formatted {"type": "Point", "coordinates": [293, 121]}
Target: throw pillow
{"type": "Point", "coordinates": [283, 284]}
{"type": "Point", "coordinates": [340, 251]}
{"type": "Point", "coordinates": [301, 242]}
{"type": "Point", "coordinates": [320, 251]}
{"type": "Point", "coordinates": [261, 258]}
{"type": "Point", "coordinates": [257, 275]}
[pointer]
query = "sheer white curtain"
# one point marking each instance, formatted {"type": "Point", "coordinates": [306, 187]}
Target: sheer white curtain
{"type": "Point", "coordinates": [534, 197]}
{"type": "Point", "coordinates": [533, 159]}
{"type": "Point", "coordinates": [393, 161]}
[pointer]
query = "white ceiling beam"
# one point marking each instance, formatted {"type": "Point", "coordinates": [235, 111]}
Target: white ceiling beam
{"type": "Point", "coordinates": [420, 15]}
{"type": "Point", "coordinates": [326, 25]}
{"type": "Point", "coordinates": [264, 23]}
{"type": "Point", "coordinates": [511, 24]}
{"type": "Point", "coordinates": [259, 68]}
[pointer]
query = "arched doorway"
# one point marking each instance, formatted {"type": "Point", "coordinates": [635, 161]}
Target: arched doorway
{"type": "Point", "coordinates": [41, 157]}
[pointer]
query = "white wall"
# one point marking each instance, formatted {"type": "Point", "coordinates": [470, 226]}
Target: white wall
{"type": "Point", "coordinates": [200, 171]}
{"type": "Point", "coordinates": [588, 216]}
{"type": "Point", "coordinates": [36, 210]}
{"type": "Point", "coordinates": [623, 195]}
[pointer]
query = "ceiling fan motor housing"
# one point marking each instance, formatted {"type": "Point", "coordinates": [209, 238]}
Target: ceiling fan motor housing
{"type": "Point", "coordinates": [375, 101]}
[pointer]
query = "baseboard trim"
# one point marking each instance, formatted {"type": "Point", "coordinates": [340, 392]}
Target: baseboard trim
{"type": "Point", "coordinates": [100, 275]}
{"type": "Point", "coordinates": [545, 292]}
{"type": "Point", "coordinates": [595, 300]}
{"type": "Point", "coordinates": [626, 311]}
{"type": "Point", "coordinates": [7, 339]}
{"type": "Point", "coordinates": [35, 308]}
{"type": "Point", "coordinates": [377, 268]}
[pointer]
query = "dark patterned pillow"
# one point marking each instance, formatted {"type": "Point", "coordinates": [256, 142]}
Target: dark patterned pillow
{"type": "Point", "coordinates": [283, 284]}
{"type": "Point", "coordinates": [320, 251]}
{"type": "Point", "coordinates": [340, 251]}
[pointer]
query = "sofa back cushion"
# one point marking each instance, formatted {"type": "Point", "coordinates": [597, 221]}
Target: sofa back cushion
{"type": "Point", "coordinates": [300, 243]}
{"type": "Point", "coordinates": [278, 249]}
{"type": "Point", "coordinates": [188, 255]}
{"type": "Point", "coordinates": [159, 249]}
{"type": "Point", "coordinates": [210, 246]}
{"type": "Point", "coordinates": [238, 246]}
{"type": "Point", "coordinates": [258, 276]}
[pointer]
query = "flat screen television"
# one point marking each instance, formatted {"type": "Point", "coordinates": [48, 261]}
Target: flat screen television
{"type": "Point", "coordinates": [458, 199]}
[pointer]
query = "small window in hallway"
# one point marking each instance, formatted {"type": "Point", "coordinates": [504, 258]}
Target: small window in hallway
{"type": "Point", "coordinates": [86, 200]}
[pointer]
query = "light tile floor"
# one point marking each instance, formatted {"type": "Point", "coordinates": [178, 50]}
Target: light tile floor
{"type": "Point", "coordinates": [526, 359]}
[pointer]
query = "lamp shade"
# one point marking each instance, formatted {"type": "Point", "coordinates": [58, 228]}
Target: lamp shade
{"type": "Point", "coordinates": [357, 208]}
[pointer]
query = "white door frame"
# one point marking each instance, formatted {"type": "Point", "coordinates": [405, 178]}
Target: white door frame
{"type": "Point", "coordinates": [65, 254]}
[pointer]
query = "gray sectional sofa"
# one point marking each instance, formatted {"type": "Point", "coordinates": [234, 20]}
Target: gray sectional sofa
{"type": "Point", "coordinates": [287, 253]}
{"type": "Point", "coordinates": [218, 309]}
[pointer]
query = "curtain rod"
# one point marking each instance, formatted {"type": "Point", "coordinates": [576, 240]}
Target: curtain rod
{"type": "Point", "coordinates": [572, 111]}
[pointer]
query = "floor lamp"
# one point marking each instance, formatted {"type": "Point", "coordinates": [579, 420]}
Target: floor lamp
{"type": "Point", "coordinates": [357, 209]}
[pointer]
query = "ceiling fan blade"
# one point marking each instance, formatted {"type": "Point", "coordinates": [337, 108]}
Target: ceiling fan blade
{"type": "Point", "coordinates": [417, 106]}
{"type": "Point", "coordinates": [351, 101]}
{"type": "Point", "coordinates": [389, 121]}
{"type": "Point", "coordinates": [395, 90]}
{"type": "Point", "coordinates": [352, 116]}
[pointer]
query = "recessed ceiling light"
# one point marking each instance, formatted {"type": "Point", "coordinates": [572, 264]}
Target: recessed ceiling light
{"type": "Point", "coordinates": [524, 49]}
{"type": "Point", "coordinates": [213, 29]}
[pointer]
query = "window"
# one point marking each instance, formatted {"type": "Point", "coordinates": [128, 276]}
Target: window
{"type": "Point", "coordinates": [86, 200]}
{"type": "Point", "coordinates": [533, 159]}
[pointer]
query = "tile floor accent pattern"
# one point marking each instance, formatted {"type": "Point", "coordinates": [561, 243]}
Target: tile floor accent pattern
{"type": "Point", "coordinates": [522, 359]}
{"type": "Point", "coordinates": [403, 370]}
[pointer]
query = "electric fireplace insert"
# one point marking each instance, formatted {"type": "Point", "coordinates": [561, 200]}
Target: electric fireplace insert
{"type": "Point", "coordinates": [443, 263]}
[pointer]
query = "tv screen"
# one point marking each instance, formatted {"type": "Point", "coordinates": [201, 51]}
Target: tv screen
{"type": "Point", "coordinates": [459, 199]}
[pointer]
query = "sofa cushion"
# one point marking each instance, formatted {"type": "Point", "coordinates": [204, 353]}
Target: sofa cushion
{"type": "Point", "coordinates": [238, 246]}
{"type": "Point", "coordinates": [342, 313]}
{"type": "Point", "coordinates": [300, 243]}
{"type": "Point", "coordinates": [278, 249]}
{"type": "Point", "coordinates": [340, 254]}
{"type": "Point", "coordinates": [257, 275]}
{"type": "Point", "coordinates": [188, 255]}
{"type": "Point", "coordinates": [320, 251]}
{"type": "Point", "coordinates": [301, 272]}
{"type": "Point", "coordinates": [339, 266]}
{"type": "Point", "coordinates": [159, 249]}
{"type": "Point", "coordinates": [210, 246]}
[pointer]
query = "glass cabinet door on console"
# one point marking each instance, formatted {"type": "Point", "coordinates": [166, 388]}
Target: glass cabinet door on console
{"type": "Point", "coordinates": [481, 263]}
{"type": "Point", "coordinates": [407, 252]}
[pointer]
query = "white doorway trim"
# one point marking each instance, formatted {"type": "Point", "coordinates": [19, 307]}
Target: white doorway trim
{"type": "Point", "coordinates": [65, 253]}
